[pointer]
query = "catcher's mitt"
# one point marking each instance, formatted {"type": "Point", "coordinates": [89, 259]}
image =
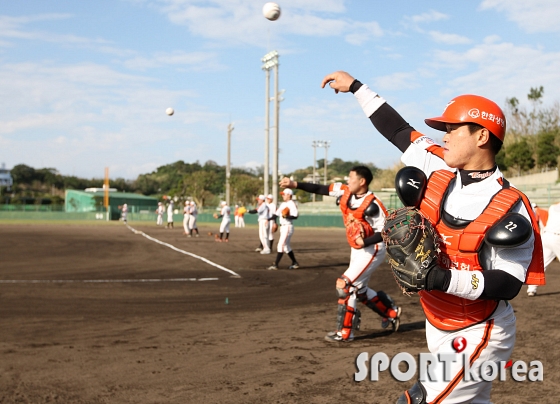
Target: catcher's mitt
{"type": "Point", "coordinates": [274, 227]}
{"type": "Point", "coordinates": [354, 231]}
{"type": "Point", "coordinates": [285, 212]}
{"type": "Point", "coordinates": [412, 247]}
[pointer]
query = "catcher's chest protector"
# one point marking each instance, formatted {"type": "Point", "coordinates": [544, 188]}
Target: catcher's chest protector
{"type": "Point", "coordinates": [351, 215]}
{"type": "Point", "coordinates": [459, 250]}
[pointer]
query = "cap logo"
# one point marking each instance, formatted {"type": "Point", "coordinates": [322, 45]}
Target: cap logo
{"type": "Point", "coordinates": [447, 106]}
{"type": "Point", "coordinates": [474, 113]}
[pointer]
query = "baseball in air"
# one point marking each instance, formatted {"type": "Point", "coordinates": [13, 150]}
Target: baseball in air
{"type": "Point", "coordinates": [170, 111]}
{"type": "Point", "coordinates": [271, 11]}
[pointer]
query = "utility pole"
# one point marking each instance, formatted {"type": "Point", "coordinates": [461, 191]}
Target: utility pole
{"type": "Point", "coordinates": [326, 145]}
{"type": "Point", "coordinates": [228, 163]}
{"type": "Point", "coordinates": [314, 144]}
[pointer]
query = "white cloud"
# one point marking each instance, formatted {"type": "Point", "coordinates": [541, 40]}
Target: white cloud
{"type": "Point", "coordinates": [14, 28]}
{"type": "Point", "coordinates": [532, 16]}
{"type": "Point", "coordinates": [193, 60]}
{"type": "Point", "coordinates": [502, 69]}
{"type": "Point", "coordinates": [397, 81]}
{"type": "Point", "coordinates": [414, 21]}
{"type": "Point", "coordinates": [448, 39]}
{"type": "Point", "coordinates": [241, 22]}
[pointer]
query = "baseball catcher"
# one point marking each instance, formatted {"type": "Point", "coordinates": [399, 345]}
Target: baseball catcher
{"type": "Point", "coordinates": [364, 215]}
{"type": "Point", "coordinates": [487, 236]}
{"type": "Point", "coordinates": [412, 248]}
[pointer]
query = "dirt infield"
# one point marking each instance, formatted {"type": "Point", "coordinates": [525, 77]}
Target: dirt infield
{"type": "Point", "coordinates": [130, 337]}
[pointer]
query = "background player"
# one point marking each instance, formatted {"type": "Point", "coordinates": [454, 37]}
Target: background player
{"type": "Point", "coordinates": [364, 216]}
{"type": "Point", "coordinates": [466, 295]}
{"type": "Point", "coordinates": [263, 220]}
{"type": "Point", "coordinates": [287, 212]}
{"type": "Point", "coordinates": [159, 212]}
{"type": "Point", "coordinates": [186, 218]}
{"type": "Point", "coordinates": [170, 215]}
{"type": "Point", "coordinates": [226, 220]}
{"type": "Point", "coordinates": [241, 215]}
{"type": "Point", "coordinates": [193, 210]}
{"type": "Point", "coordinates": [550, 240]}
{"type": "Point", "coordinates": [124, 212]}
{"type": "Point", "coordinates": [271, 209]}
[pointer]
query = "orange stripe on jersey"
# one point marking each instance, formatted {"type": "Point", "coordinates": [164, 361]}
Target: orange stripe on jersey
{"type": "Point", "coordinates": [434, 149]}
{"type": "Point", "coordinates": [367, 265]}
{"type": "Point", "coordinates": [475, 355]}
{"type": "Point", "coordinates": [343, 187]}
{"type": "Point", "coordinates": [535, 273]}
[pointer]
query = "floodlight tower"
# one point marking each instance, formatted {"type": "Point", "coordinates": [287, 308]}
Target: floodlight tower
{"type": "Point", "coordinates": [270, 60]}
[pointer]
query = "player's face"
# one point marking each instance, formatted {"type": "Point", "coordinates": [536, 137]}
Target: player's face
{"type": "Point", "coordinates": [354, 182]}
{"type": "Point", "coordinates": [286, 197]}
{"type": "Point", "coordinates": [460, 147]}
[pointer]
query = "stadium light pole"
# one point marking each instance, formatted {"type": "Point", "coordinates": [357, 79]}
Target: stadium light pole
{"type": "Point", "coordinates": [228, 163]}
{"type": "Point", "coordinates": [270, 60]}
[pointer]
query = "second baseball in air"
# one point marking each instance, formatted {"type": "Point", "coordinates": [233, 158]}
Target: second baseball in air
{"type": "Point", "coordinates": [271, 11]}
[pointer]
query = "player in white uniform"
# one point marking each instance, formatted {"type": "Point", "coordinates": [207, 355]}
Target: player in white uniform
{"type": "Point", "coordinates": [263, 220]}
{"type": "Point", "coordinates": [193, 210]}
{"type": "Point", "coordinates": [287, 212]}
{"type": "Point", "coordinates": [226, 220]}
{"type": "Point", "coordinates": [124, 212]}
{"type": "Point", "coordinates": [160, 211]}
{"type": "Point", "coordinates": [271, 209]}
{"type": "Point", "coordinates": [550, 241]}
{"type": "Point", "coordinates": [466, 295]}
{"type": "Point", "coordinates": [170, 215]}
{"type": "Point", "coordinates": [186, 218]}
{"type": "Point", "coordinates": [364, 216]}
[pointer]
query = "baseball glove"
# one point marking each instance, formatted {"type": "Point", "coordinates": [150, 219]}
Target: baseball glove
{"type": "Point", "coordinates": [354, 230]}
{"type": "Point", "coordinates": [216, 215]}
{"type": "Point", "coordinates": [274, 227]}
{"type": "Point", "coordinates": [285, 212]}
{"type": "Point", "coordinates": [412, 247]}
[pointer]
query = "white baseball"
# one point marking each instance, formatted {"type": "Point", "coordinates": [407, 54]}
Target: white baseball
{"type": "Point", "coordinates": [169, 111]}
{"type": "Point", "coordinates": [271, 11]}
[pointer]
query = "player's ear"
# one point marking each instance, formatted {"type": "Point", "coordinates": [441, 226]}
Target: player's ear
{"type": "Point", "coordinates": [483, 137]}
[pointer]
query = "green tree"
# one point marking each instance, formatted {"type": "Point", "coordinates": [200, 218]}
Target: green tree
{"type": "Point", "coordinates": [23, 174]}
{"type": "Point", "coordinates": [245, 188]}
{"type": "Point", "coordinates": [518, 155]}
{"type": "Point", "coordinates": [198, 185]}
{"type": "Point", "coordinates": [547, 151]}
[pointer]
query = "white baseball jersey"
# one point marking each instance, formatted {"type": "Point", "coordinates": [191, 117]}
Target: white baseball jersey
{"type": "Point", "coordinates": [293, 212]}
{"type": "Point", "coordinates": [469, 202]}
{"type": "Point", "coordinates": [262, 212]}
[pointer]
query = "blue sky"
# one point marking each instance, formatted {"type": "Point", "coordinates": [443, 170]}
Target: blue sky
{"type": "Point", "coordinates": [84, 84]}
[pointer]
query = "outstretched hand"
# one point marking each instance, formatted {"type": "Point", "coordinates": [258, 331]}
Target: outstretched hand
{"type": "Point", "coordinates": [287, 183]}
{"type": "Point", "coordinates": [338, 81]}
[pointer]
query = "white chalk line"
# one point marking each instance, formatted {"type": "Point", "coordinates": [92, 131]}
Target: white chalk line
{"type": "Point", "coordinates": [183, 251]}
{"type": "Point", "coordinates": [107, 280]}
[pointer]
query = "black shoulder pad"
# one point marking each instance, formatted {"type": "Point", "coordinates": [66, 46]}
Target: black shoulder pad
{"type": "Point", "coordinates": [338, 200]}
{"type": "Point", "coordinates": [410, 183]}
{"type": "Point", "coordinates": [510, 231]}
{"type": "Point", "coordinates": [372, 210]}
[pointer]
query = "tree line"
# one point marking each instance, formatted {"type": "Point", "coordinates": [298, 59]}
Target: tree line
{"type": "Point", "coordinates": [532, 141]}
{"type": "Point", "coordinates": [204, 183]}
